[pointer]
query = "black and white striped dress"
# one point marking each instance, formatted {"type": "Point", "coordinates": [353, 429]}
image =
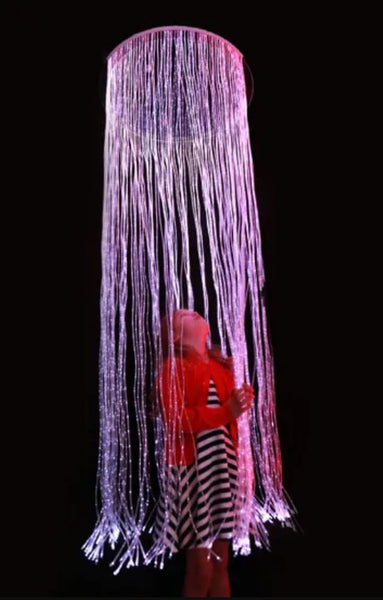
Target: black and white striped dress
{"type": "Point", "coordinates": [202, 494]}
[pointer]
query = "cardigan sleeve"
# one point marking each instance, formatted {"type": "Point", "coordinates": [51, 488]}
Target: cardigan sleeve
{"type": "Point", "coordinates": [184, 418]}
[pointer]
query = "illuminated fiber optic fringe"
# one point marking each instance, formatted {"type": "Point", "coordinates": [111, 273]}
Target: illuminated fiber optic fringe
{"type": "Point", "coordinates": [180, 220]}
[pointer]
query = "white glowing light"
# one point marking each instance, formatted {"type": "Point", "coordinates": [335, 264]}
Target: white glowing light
{"type": "Point", "coordinates": [177, 144]}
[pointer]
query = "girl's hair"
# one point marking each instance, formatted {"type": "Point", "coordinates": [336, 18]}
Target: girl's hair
{"type": "Point", "coordinates": [184, 350]}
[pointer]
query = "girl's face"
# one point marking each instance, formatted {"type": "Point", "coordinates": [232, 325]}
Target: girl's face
{"type": "Point", "coordinates": [190, 326]}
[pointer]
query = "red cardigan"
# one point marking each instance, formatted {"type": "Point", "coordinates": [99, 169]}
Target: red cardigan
{"type": "Point", "coordinates": [185, 407]}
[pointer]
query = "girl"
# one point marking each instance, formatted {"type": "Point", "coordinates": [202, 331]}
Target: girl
{"type": "Point", "coordinates": [204, 469]}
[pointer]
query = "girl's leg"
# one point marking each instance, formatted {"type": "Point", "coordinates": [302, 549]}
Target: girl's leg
{"type": "Point", "coordinates": [220, 581]}
{"type": "Point", "coordinates": [198, 572]}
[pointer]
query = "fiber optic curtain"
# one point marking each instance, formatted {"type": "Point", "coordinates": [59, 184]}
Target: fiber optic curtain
{"type": "Point", "coordinates": [179, 215]}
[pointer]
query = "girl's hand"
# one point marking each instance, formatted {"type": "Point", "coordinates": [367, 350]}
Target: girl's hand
{"type": "Point", "coordinates": [241, 399]}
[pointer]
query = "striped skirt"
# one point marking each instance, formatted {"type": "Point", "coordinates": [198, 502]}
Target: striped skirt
{"type": "Point", "coordinates": [201, 495]}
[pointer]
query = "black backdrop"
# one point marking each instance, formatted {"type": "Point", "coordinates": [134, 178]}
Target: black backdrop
{"type": "Point", "coordinates": [53, 66]}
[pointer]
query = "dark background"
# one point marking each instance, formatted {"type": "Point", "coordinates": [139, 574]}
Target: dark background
{"type": "Point", "coordinates": [53, 126]}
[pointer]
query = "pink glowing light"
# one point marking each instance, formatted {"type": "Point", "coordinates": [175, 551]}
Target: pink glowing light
{"type": "Point", "coordinates": [177, 143]}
